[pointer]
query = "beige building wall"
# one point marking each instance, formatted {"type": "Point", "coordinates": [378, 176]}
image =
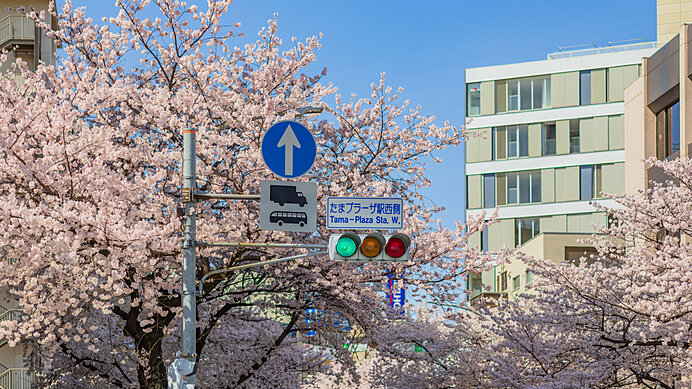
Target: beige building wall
{"type": "Point", "coordinates": [665, 80]}
{"type": "Point", "coordinates": [670, 14]}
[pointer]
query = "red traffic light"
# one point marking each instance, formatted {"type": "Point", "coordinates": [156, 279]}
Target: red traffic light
{"type": "Point", "coordinates": [397, 245]}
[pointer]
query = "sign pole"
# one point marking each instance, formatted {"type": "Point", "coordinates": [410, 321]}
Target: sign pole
{"type": "Point", "coordinates": [182, 372]}
{"type": "Point", "coordinates": [189, 246]}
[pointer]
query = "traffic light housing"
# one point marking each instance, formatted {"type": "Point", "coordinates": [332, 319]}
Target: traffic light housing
{"type": "Point", "coordinates": [372, 247]}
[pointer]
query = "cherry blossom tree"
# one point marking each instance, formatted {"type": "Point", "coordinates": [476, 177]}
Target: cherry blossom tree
{"type": "Point", "coordinates": [90, 176]}
{"type": "Point", "coordinates": [621, 318]}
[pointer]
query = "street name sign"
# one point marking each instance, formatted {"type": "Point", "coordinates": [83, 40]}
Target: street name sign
{"type": "Point", "coordinates": [288, 206]}
{"type": "Point", "coordinates": [289, 149]}
{"type": "Point", "coordinates": [365, 213]}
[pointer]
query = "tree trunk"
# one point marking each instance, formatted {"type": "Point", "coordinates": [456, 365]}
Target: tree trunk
{"type": "Point", "coordinates": [154, 375]}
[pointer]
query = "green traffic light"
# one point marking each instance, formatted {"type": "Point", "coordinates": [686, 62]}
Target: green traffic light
{"type": "Point", "coordinates": [345, 246]}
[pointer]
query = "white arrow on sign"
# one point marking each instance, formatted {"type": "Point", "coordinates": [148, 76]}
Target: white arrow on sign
{"type": "Point", "coordinates": [288, 140]}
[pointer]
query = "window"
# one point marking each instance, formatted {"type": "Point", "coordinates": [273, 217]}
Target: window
{"type": "Point", "coordinates": [522, 94]}
{"type": "Point", "coordinates": [549, 139]}
{"type": "Point", "coordinates": [511, 142]}
{"type": "Point", "coordinates": [512, 188]}
{"type": "Point", "coordinates": [525, 229]}
{"type": "Point", "coordinates": [489, 190]}
{"type": "Point", "coordinates": [585, 87]}
{"type": "Point", "coordinates": [512, 95]}
{"type": "Point", "coordinates": [523, 187]}
{"type": "Point", "coordinates": [473, 96]}
{"type": "Point", "coordinates": [597, 181]}
{"type": "Point", "coordinates": [585, 182]}
{"type": "Point", "coordinates": [574, 135]}
{"type": "Point", "coordinates": [538, 97]}
{"type": "Point", "coordinates": [526, 95]}
{"type": "Point", "coordinates": [668, 131]}
{"type": "Point", "coordinates": [476, 284]}
{"type": "Point", "coordinates": [484, 240]}
{"type": "Point", "coordinates": [503, 280]}
{"type": "Point", "coordinates": [529, 277]}
{"type": "Point", "coordinates": [516, 283]}
{"type": "Point", "coordinates": [501, 96]}
{"type": "Point", "coordinates": [500, 143]}
{"type": "Point", "coordinates": [573, 255]}
{"type": "Point", "coordinates": [535, 186]}
{"type": "Point", "coordinates": [590, 182]}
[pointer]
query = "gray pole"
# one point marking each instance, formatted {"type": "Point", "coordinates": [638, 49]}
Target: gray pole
{"type": "Point", "coordinates": [189, 254]}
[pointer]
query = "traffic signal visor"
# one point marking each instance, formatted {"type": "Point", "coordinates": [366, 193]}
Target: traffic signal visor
{"type": "Point", "coordinates": [368, 248]}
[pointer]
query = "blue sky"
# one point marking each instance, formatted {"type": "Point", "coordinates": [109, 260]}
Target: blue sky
{"type": "Point", "coordinates": [425, 47]}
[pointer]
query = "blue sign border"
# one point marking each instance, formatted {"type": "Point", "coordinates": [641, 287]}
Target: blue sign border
{"type": "Point", "coordinates": [401, 200]}
{"type": "Point", "coordinates": [267, 150]}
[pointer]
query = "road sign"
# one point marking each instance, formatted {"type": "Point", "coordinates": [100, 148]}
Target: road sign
{"type": "Point", "coordinates": [365, 213]}
{"type": "Point", "coordinates": [397, 296]}
{"type": "Point", "coordinates": [288, 206]}
{"type": "Point", "coordinates": [289, 149]}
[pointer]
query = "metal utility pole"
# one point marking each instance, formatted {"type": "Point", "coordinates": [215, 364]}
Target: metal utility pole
{"type": "Point", "coordinates": [182, 372]}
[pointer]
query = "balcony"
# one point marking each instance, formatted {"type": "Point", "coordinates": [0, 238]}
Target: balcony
{"type": "Point", "coordinates": [17, 30]}
{"type": "Point", "coordinates": [487, 299]}
{"type": "Point", "coordinates": [15, 378]}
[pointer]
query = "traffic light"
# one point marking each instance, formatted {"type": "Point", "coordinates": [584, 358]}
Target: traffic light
{"type": "Point", "coordinates": [369, 247]}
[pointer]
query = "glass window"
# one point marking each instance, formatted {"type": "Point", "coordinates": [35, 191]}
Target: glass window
{"type": "Point", "coordinates": [668, 131]}
{"type": "Point", "coordinates": [538, 92]}
{"type": "Point", "coordinates": [549, 139]}
{"type": "Point", "coordinates": [516, 283]}
{"type": "Point", "coordinates": [525, 229]}
{"type": "Point", "coordinates": [529, 277]}
{"type": "Point", "coordinates": [473, 96]}
{"type": "Point", "coordinates": [512, 188]}
{"type": "Point", "coordinates": [484, 239]}
{"type": "Point", "coordinates": [586, 182]}
{"type": "Point", "coordinates": [524, 140]}
{"type": "Point", "coordinates": [524, 187]}
{"type": "Point", "coordinates": [525, 87]}
{"type": "Point", "coordinates": [503, 278]}
{"type": "Point", "coordinates": [512, 141]}
{"type": "Point", "coordinates": [501, 184]}
{"type": "Point", "coordinates": [500, 96]}
{"type": "Point", "coordinates": [546, 94]}
{"type": "Point", "coordinates": [585, 87]}
{"type": "Point", "coordinates": [489, 190]}
{"type": "Point", "coordinates": [597, 181]}
{"type": "Point", "coordinates": [500, 139]}
{"type": "Point", "coordinates": [536, 186]}
{"type": "Point", "coordinates": [513, 95]}
{"type": "Point", "coordinates": [574, 135]}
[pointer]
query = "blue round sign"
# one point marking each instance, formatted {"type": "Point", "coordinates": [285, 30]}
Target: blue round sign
{"type": "Point", "coordinates": [289, 149]}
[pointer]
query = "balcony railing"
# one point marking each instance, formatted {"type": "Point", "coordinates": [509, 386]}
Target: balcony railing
{"type": "Point", "coordinates": [602, 50]}
{"type": "Point", "coordinates": [8, 314]}
{"type": "Point", "coordinates": [15, 378]}
{"type": "Point", "coordinates": [16, 28]}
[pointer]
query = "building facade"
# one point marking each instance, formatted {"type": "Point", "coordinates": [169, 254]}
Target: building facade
{"type": "Point", "coordinates": [658, 116]}
{"type": "Point", "coordinates": [546, 139]}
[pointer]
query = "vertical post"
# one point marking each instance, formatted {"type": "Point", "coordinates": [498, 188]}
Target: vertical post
{"type": "Point", "coordinates": [189, 303]}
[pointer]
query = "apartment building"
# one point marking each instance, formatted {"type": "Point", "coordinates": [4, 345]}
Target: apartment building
{"type": "Point", "coordinates": [23, 40]}
{"type": "Point", "coordinates": [547, 138]}
{"type": "Point", "coordinates": [658, 110]}
{"type": "Point", "coordinates": [21, 37]}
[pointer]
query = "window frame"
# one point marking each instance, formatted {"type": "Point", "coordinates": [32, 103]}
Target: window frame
{"type": "Point", "coordinates": [469, 100]}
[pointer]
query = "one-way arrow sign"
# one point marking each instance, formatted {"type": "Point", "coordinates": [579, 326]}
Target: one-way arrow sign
{"type": "Point", "coordinates": [289, 141]}
{"type": "Point", "coordinates": [278, 149]}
